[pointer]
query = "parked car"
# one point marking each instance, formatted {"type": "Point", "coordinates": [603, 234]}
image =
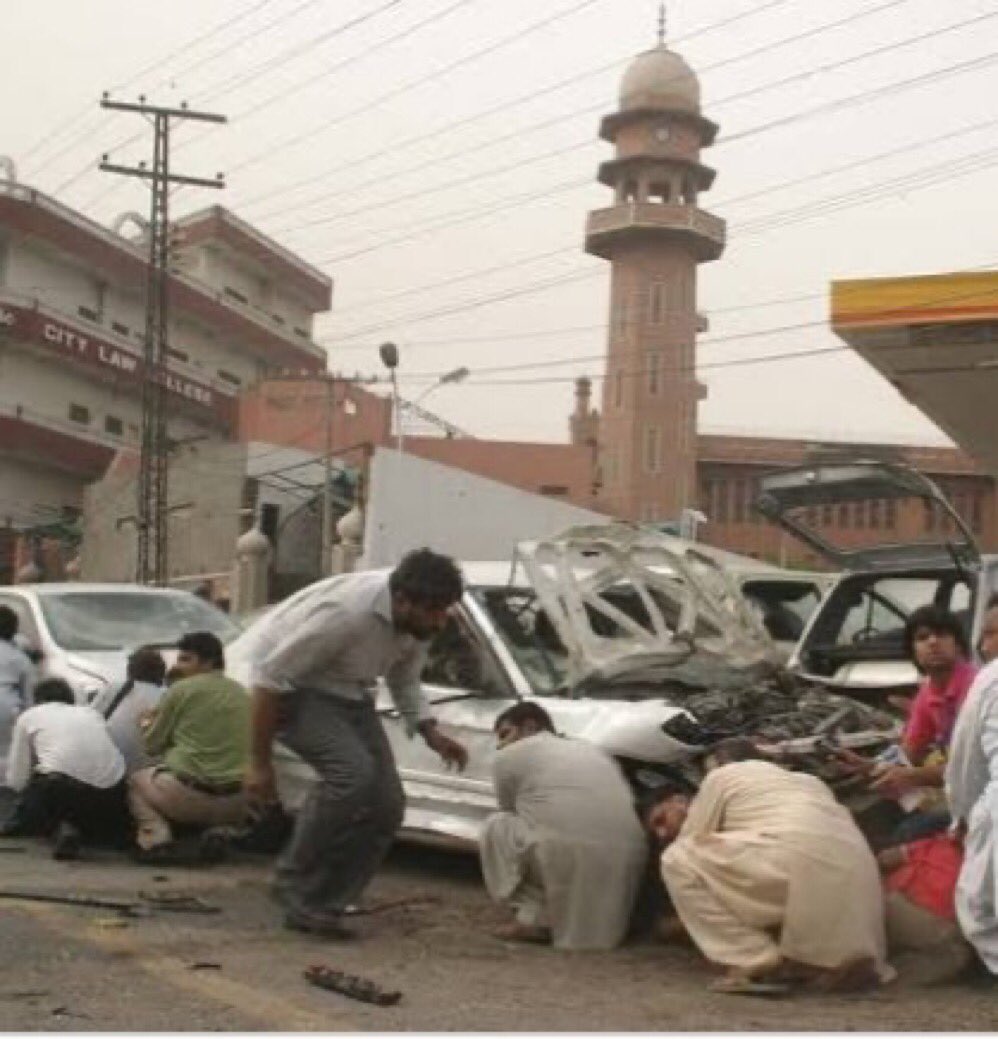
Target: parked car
{"type": "Point", "coordinates": [646, 648]}
{"type": "Point", "coordinates": [854, 640]}
{"type": "Point", "coordinates": [83, 633]}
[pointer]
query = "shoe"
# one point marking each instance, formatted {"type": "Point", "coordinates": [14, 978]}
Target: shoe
{"type": "Point", "coordinates": [214, 847]}
{"type": "Point", "coordinates": [169, 854]}
{"type": "Point", "coordinates": [67, 843]}
{"type": "Point", "coordinates": [326, 925]}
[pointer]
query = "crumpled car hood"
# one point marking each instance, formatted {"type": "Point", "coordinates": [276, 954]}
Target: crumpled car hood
{"type": "Point", "coordinates": [630, 603]}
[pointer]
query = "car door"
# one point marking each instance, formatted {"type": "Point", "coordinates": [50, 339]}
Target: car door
{"type": "Point", "coordinates": [467, 688]}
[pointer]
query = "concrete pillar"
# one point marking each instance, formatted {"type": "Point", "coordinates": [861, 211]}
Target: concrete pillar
{"type": "Point", "coordinates": [351, 544]}
{"type": "Point", "coordinates": [249, 577]}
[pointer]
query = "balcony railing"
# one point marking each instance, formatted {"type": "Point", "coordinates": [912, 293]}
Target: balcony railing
{"type": "Point", "coordinates": [655, 215]}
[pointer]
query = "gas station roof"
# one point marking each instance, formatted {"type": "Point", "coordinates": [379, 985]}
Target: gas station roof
{"type": "Point", "coordinates": [935, 339]}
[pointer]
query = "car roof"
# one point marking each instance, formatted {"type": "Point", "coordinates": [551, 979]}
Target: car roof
{"type": "Point", "coordinates": [70, 587]}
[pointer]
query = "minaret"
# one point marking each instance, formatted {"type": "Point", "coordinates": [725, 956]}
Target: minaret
{"type": "Point", "coordinates": [654, 235]}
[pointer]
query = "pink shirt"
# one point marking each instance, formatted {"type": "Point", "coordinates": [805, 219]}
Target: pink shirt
{"type": "Point", "coordinates": [933, 713]}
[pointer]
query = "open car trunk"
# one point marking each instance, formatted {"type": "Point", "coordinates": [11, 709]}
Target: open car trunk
{"type": "Point", "coordinates": [799, 499]}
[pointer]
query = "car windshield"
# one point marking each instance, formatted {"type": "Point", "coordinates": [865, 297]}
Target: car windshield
{"type": "Point", "coordinates": [528, 634]}
{"type": "Point", "coordinates": [103, 621]}
{"type": "Point", "coordinates": [784, 607]}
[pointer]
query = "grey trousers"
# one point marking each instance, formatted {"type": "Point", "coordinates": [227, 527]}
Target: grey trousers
{"type": "Point", "coordinates": [351, 815]}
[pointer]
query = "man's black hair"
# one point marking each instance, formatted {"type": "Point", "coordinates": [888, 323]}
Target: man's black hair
{"type": "Point", "coordinates": [8, 623]}
{"type": "Point", "coordinates": [427, 578]}
{"type": "Point", "coordinates": [146, 664]}
{"type": "Point", "coordinates": [992, 602]}
{"type": "Point", "coordinates": [521, 713]}
{"type": "Point", "coordinates": [53, 690]}
{"type": "Point", "coordinates": [205, 646]}
{"type": "Point", "coordinates": [939, 621]}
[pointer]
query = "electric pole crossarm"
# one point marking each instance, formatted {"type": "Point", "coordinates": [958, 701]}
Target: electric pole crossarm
{"type": "Point", "coordinates": [175, 178]}
{"type": "Point", "coordinates": [144, 109]}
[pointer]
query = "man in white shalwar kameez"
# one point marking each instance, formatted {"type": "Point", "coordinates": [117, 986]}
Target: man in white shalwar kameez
{"type": "Point", "coordinates": [972, 792]}
{"type": "Point", "coordinates": [768, 873]}
{"type": "Point", "coordinates": [565, 850]}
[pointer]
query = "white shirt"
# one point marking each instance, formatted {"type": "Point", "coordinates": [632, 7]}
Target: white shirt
{"type": "Point", "coordinates": [17, 673]}
{"type": "Point", "coordinates": [64, 738]}
{"type": "Point", "coordinates": [123, 725]}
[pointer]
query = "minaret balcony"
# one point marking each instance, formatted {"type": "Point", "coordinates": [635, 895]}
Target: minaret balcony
{"type": "Point", "coordinates": [701, 232]}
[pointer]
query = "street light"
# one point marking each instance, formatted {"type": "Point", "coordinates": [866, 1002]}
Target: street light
{"type": "Point", "coordinates": [455, 376]}
{"type": "Point", "coordinates": [389, 353]}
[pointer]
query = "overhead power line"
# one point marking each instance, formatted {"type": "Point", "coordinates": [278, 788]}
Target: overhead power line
{"type": "Point", "coordinates": [473, 177]}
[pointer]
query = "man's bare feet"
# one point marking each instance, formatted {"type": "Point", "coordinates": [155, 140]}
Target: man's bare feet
{"type": "Point", "coordinates": [751, 983]}
{"type": "Point", "coordinates": [517, 932]}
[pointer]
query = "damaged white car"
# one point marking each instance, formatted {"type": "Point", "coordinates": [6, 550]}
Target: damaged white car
{"type": "Point", "coordinates": [635, 641]}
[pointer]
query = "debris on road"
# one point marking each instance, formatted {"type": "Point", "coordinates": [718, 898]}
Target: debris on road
{"type": "Point", "coordinates": [204, 965]}
{"type": "Point", "coordinates": [350, 985]}
{"type": "Point", "coordinates": [383, 906]}
{"type": "Point", "coordinates": [177, 902]}
{"type": "Point", "coordinates": [83, 901]}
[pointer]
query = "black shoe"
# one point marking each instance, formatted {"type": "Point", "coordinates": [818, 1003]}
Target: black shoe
{"type": "Point", "coordinates": [67, 843]}
{"type": "Point", "coordinates": [326, 925]}
{"type": "Point", "coordinates": [214, 847]}
{"type": "Point", "coordinates": [170, 854]}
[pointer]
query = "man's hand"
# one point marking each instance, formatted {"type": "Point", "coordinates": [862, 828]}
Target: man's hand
{"type": "Point", "coordinates": [453, 753]}
{"type": "Point", "coordinates": [898, 780]}
{"type": "Point", "coordinates": [853, 762]}
{"type": "Point", "coordinates": [260, 784]}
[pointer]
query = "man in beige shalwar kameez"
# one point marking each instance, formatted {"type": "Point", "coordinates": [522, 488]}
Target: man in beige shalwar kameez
{"type": "Point", "coordinates": [769, 873]}
{"type": "Point", "coordinates": [565, 850]}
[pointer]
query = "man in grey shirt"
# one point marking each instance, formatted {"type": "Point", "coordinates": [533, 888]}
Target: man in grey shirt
{"type": "Point", "coordinates": [313, 685]}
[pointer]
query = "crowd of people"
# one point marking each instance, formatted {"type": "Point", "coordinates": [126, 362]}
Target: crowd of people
{"type": "Point", "coordinates": [767, 874]}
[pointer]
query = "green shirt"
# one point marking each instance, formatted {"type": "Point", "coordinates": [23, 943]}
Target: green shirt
{"type": "Point", "coordinates": [202, 728]}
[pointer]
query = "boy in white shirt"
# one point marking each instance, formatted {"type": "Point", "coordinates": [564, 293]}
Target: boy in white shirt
{"type": "Point", "coordinates": [68, 772]}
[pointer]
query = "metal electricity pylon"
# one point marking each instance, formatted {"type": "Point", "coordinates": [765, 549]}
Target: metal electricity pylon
{"type": "Point", "coordinates": [153, 485]}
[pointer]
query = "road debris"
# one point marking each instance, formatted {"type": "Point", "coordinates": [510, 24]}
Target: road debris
{"type": "Point", "coordinates": [84, 901]}
{"type": "Point", "coordinates": [371, 908]}
{"type": "Point", "coordinates": [204, 965]}
{"type": "Point", "coordinates": [350, 985]}
{"type": "Point", "coordinates": [177, 902]}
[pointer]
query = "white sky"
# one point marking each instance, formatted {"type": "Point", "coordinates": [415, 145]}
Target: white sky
{"type": "Point", "coordinates": [60, 54]}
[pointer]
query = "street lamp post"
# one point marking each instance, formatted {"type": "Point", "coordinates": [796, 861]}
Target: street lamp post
{"type": "Point", "coordinates": [389, 353]}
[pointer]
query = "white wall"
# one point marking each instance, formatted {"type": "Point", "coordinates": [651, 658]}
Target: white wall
{"type": "Point", "coordinates": [414, 503]}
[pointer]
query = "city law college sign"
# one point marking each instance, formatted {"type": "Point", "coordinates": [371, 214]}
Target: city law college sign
{"type": "Point", "coordinates": [99, 353]}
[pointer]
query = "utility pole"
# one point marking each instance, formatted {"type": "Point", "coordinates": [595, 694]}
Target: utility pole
{"type": "Point", "coordinates": [152, 506]}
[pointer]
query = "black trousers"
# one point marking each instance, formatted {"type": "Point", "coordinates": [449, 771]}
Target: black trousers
{"type": "Point", "coordinates": [100, 814]}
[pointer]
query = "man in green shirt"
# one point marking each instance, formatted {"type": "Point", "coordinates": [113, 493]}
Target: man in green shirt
{"type": "Point", "coordinates": [200, 735]}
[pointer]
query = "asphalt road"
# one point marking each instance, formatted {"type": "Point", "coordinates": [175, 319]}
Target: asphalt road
{"type": "Point", "coordinates": [76, 969]}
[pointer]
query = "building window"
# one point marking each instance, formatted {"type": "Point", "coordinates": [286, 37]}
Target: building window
{"type": "Point", "coordinates": [859, 515]}
{"type": "Point", "coordinates": [875, 514]}
{"type": "Point", "coordinates": [233, 294]}
{"type": "Point", "coordinates": [653, 449]}
{"type": "Point", "coordinates": [827, 515]}
{"type": "Point", "coordinates": [113, 425]}
{"type": "Point", "coordinates": [89, 313]}
{"type": "Point", "coordinates": [722, 501]}
{"type": "Point", "coordinates": [278, 319]}
{"type": "Point", "coordinates": [754, 514]}
{"type": "Point", "coordinates": [929, 517]}
{"type": "Point", "coordinates": [554, 490]}
{"type": "Point", "coordinates": [78, 413]}
{"type": "Point", "coordinates": [891, 513]}
{"type": "Point", "coordinates": [811, 516]}
{"type": "Point", "coordinates": [976, 514]}
{"type": "Point", "coordinates": [658, 302]}
{"type": "Point", "coordinates": [844, 516]}
{"type": "Point", "coordinates": [654, 364]}
{"type": "Point", "coordinates": [122, 330]}
{"type": "Point", "coordinates": [301, 332]}
{"type": "Point", "coordinates": [618, 389]}
{"type": "Point", "coordinates": [229, 377]}
{"type": "Point", "coordinates": [737, 501]}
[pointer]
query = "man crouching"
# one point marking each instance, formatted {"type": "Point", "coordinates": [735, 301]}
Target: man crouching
{"type": "Point", "coordinates": [772, 879]}
{"type": "Point", "coordinates": [565, 849]}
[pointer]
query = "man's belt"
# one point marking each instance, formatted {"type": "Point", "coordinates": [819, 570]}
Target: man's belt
{"type": "Point", "coordinates": [214, 789]}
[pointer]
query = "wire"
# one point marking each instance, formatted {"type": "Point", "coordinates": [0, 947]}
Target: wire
{"type": "Point", "coordinates": [599, 106]}
{"type": "Point", "coordinates": [189, 45]}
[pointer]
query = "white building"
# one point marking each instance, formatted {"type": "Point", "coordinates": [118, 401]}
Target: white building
{"type": "Point", "coordinates": [72, 329]}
